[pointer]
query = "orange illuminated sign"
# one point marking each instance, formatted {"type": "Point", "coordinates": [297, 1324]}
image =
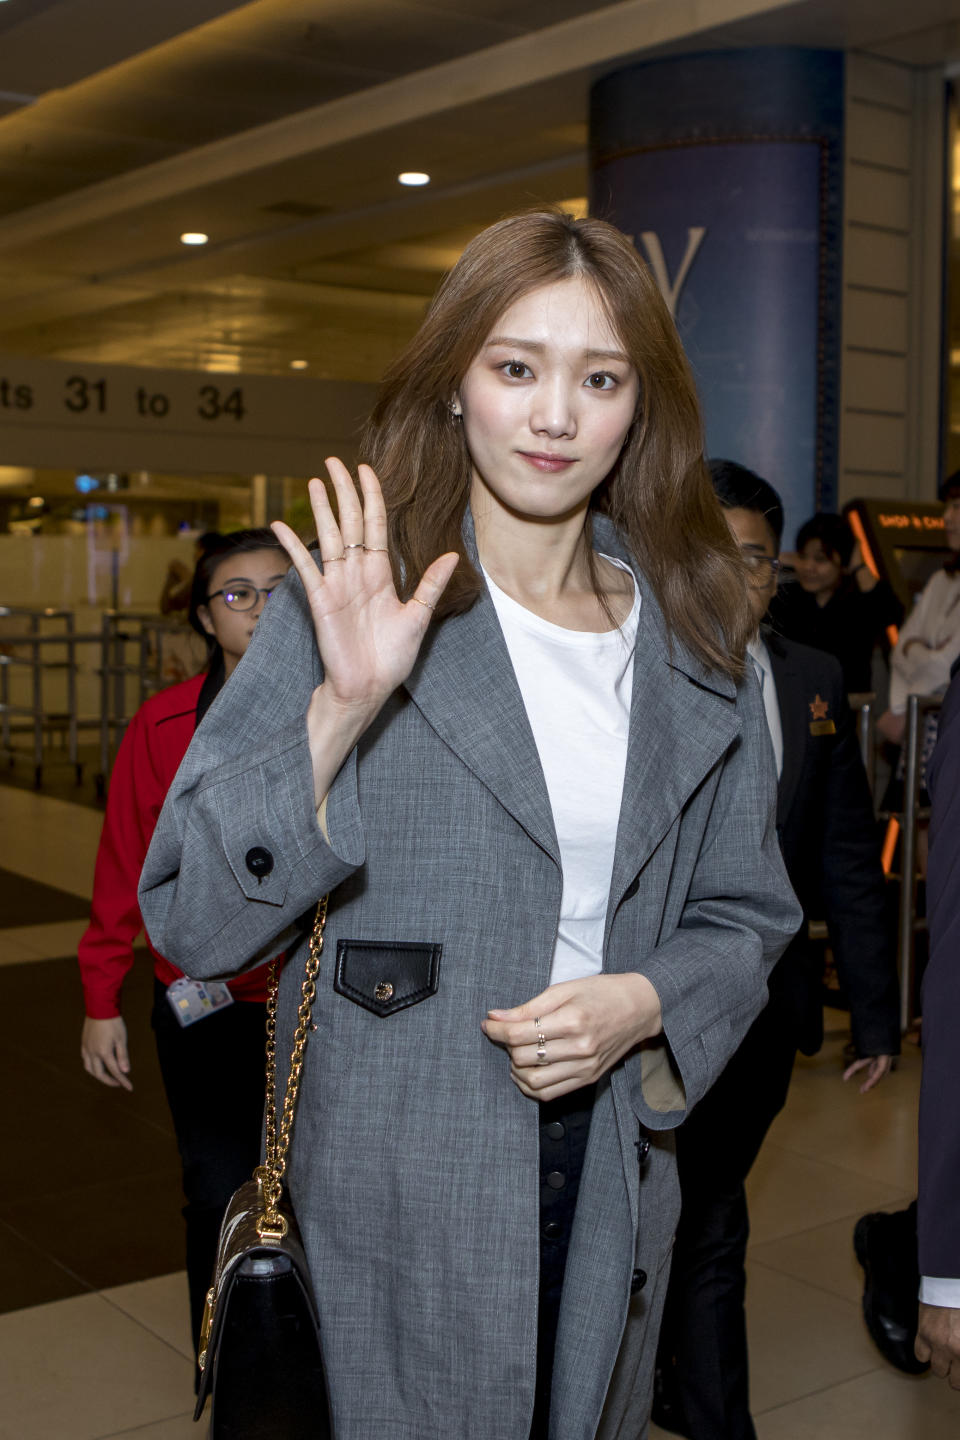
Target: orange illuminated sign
{"type": "Point", "coordinates": [907, 522]}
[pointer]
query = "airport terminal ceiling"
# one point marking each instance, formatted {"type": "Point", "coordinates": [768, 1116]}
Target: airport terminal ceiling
{"type": "Point", "coordinates": [278, 129]}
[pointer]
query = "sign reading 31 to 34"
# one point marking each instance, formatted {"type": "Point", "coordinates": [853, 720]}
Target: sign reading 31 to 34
{"type": "Point", "coordinates": [62, 412]}
{"type": "Point", "coordinates": [109, 393]}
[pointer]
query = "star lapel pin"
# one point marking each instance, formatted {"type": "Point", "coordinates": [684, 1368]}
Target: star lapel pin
{"type": "Point", "coordinates": [819, 710]}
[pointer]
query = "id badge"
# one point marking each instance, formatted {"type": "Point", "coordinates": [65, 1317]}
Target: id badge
{"type": "Point", "coordinates": [193, 1000]}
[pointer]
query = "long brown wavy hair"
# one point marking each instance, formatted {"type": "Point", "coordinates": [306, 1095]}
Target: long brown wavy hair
{"type": "Point", "coordinates": [658, 494]}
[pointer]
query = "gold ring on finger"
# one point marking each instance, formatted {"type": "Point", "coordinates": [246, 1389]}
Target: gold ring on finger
{"type": "Point", "coordinates": [425, 603]}
{"type": "Point", "coordinates": [331, 558]}
{"type": "Point", "coordinates": [358, 545]}
{"type": "Point", "coordinates": [377, 549]}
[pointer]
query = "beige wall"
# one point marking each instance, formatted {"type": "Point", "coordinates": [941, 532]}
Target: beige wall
{"type": "Point", "coordinates": [892, 322]}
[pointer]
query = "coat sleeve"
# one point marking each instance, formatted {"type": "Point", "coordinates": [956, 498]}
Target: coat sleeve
{"type": "Point", "coordinates": [245, 786]}
{"type": "Point", "coordinates": [854, 893]}
{"type": "Point", "coordinates": [939, 1171]}
{"type": "Point", "coordinates": [737, 917]}
{"type": "Point", "coordinates": [105, 952]}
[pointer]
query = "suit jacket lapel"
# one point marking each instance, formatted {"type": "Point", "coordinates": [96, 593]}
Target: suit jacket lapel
{"type": "Point", "coordinates": [791, 698]}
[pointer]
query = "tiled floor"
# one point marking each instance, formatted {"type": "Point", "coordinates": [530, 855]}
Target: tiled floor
{"type": "Point", "coordinates": [109, 1359]}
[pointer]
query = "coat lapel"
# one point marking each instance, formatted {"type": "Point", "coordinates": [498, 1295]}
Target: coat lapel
{"type": "Point", "coordinates": [682, 721]}
{"type": "Point", "coordinates": [791, 697]}
{"type": "Point", "coordinates": [464, 686]}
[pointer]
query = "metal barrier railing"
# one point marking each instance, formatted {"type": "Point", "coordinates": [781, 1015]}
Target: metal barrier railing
{"type": "Point", "coordinates": [110, 661]}
{"type": "Point", "coordinates": [40, 720]}
{"type": "Point", "coordinates": [120, 628]}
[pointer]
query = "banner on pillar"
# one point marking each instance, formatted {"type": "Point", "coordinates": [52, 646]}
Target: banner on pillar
{"type": "Point", "coordinates": [724, 169]}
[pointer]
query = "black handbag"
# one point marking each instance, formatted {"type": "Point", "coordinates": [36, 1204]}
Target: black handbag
{"type": "Point", "coordinates": [260, 1357]}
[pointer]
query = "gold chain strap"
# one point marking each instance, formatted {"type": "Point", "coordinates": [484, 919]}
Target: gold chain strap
{"type": "Point", "coordinates": [271, 1225]}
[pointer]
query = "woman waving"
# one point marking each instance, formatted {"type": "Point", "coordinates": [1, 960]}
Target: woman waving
{"type": "Point", "coordinates": [500, 719]}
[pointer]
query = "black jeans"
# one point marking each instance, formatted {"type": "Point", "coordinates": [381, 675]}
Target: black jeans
{"type": "Point", "coordinates": [564, 1129]}
{"type": "Point", "coordinates": [213, 1073]}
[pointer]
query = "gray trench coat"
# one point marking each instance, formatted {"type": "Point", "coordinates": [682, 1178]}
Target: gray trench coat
{"type": "Point", "coordinates": [414, 1167]}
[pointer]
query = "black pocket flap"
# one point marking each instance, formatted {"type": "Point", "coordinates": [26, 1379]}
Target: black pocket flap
{"type": "Point", "coordinates": [385, 976]}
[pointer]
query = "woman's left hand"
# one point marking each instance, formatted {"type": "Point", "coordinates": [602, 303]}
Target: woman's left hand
{"type": "Point", "coordinates": [587, 1025]}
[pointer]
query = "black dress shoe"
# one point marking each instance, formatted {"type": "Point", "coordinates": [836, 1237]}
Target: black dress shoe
{"type": "Point", "coordinates": [886, 1246]}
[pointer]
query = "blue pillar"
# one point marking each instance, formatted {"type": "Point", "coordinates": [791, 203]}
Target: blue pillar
{"type": "Point", "coordinates": [726, 169]}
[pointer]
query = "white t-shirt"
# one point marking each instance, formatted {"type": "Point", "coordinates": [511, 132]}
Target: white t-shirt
{"type": "Point", "coordinates": [577, 688]}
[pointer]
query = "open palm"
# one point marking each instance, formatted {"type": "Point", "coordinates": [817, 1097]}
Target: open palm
{"type": "Point", "coordinates": [367, 637]}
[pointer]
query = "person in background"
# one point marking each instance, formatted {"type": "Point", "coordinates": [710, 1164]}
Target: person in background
{"type": "Point", "coordinates": [938, 1205]}
{"type": "Point", "coordinates": [836, 603]}
{"type": "Point", "coordinates": [831, 848]}
{"type": "Point", "coordinates": [929, 640]}
{"type": "Point", "coordinates": [886, 1244]}
{"type": "Point", "coordinates": [211, 1044]}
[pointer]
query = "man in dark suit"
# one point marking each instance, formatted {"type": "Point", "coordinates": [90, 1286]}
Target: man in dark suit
{"type": "Point", "coordinates": [829, 839]}
{"type": "Point", "coordinates": [938, 1338]}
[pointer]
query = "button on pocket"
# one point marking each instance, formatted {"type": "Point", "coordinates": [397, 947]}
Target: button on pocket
{"type": "Point", "coordinates": [385, 976]}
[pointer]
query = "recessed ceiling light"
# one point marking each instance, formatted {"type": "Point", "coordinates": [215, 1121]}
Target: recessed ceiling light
{"type": "Point", "coordinates": [413, 177]}
{"type": "Point", "coordinates": [193, 237]}
{"type": "Point", "coordinates": [299, 364]}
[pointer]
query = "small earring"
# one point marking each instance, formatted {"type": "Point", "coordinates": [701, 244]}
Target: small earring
{"type": "Point", "coordinates": [455, 412]}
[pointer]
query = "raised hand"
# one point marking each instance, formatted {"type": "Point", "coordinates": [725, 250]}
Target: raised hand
{"type": "Point", "coordinates": [367, 637]}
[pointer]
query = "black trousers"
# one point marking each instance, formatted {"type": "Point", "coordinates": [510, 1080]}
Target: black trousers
{"type": "Point", "coordinates": [564, 1129]}
{"type": "Point", "coordinates": [702, 1355]}
{"type": "Point", "coordinates": [213, 1074]}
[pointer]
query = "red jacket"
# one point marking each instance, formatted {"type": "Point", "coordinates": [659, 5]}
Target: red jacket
{"type": "Point", "coordinates": [149, 756]}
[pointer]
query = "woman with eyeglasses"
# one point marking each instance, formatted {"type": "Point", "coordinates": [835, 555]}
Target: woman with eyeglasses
{"type": "Point", "coordinates": [210, 1044]}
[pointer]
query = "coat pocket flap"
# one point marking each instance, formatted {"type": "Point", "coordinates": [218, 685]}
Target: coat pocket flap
{"type": "Point", "coordinates": [385, 976]}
